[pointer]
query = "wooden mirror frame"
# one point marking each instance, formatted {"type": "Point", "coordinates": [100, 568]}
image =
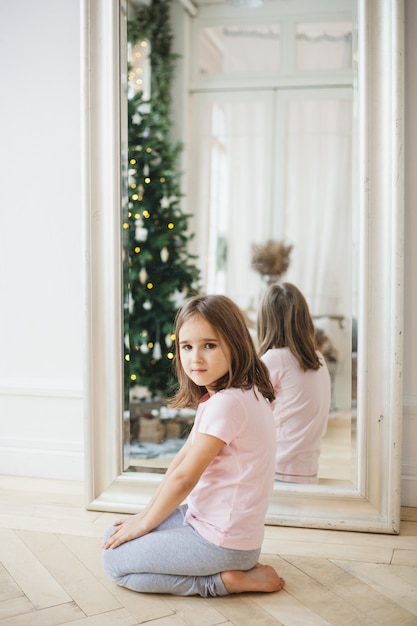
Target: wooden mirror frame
{"type": "Point", "coordinates": [373, 502]}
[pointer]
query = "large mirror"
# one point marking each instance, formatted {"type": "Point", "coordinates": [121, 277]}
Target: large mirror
{"type": "Point", "coordinates": [367, 496]}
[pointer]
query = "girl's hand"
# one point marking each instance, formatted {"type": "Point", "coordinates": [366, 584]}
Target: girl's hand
{"type": "Point", "coordinates": [127, 529]}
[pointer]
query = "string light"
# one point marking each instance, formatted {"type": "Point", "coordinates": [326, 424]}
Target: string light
{"type": "Point", "coordinates": [171, 225]}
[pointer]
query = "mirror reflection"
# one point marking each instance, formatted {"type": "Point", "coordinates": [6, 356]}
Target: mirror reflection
{"type": "Point", "coordinates": [267, 194]}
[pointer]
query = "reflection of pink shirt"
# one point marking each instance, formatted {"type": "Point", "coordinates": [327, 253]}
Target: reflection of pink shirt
{"type": "Point", "coordinates": [228, 505]}
{"type": "Point", "coordinates": [301, 411]}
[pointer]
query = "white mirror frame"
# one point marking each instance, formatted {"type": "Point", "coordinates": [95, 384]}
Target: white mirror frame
{"type": "Point", "coordinates": [373, 503]}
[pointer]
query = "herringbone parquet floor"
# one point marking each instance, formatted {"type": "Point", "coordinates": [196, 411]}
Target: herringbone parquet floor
{"type": "Point", "coordinates": [50, 572]}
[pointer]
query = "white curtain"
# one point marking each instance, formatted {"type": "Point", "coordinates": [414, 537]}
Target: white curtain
{"type": "Point", "coordinates": [276, 166]}
{"type": "Point", "coordinates": [317, 202]}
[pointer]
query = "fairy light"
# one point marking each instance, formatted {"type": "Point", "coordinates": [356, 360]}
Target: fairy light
{"type": "Point", "coordinates": [149, 286]}
{"type": "Point", "coordinates": [137, 249]}
{"type": "Point", "coordinates": [146, 214]}
{"type": "Point", "coordinates": [139, 76]}
{"type": "Point", "coordinates": [147, 180]}
{"type": "Point", "coordinates": [133, 377]}
{"type": "Point", "coordinates": [171, 225]}
{"type": "Point", "coordinates": [170, 355]}
{"type": "Point", "coordinates": [125, 225]}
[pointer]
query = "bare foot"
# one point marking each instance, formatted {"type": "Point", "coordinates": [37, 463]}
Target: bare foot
{"type": "Point", "coordinates": [259, 578]}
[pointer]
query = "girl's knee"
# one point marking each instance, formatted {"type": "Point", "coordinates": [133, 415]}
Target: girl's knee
{"type": "Point", "coordinates": [113, 565]}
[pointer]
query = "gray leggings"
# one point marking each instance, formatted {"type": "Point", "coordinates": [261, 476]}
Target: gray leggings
{"type": "Point", "coordinates": [174, 559]}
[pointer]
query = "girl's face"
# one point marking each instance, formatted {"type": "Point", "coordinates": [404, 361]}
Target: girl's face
{"type": "Point", "coordinates": [203, 355]}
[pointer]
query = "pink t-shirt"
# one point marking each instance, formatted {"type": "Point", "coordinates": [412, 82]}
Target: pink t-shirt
{"type": "Point", "coordinates": [228, 505]}
{"type": "Point", "coordinates": [301, 411]}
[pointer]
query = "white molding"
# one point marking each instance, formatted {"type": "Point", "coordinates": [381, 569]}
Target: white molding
{"type": "Point", "coordinates": [59, 446]}
{"type": "Point", "coordinates": [44, 389]}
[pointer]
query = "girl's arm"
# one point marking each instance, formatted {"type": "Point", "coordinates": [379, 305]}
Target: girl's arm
{"type": "Point", "coordinates": [181, 477]}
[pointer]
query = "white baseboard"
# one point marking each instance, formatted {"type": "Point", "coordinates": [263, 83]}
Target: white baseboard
{"type": "Point", "coordinates": [60, 463]}
{"type": "Point", "coordinates": [42, 429]}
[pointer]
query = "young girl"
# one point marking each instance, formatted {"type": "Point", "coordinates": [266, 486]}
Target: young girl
{"type": "Point", "coordinates": [300, 378]}
{"type": "Point", "coordinates": [209, 545]}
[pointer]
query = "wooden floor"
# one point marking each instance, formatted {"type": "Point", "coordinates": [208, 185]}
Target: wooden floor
{"type": "Point", "coordinates": [51, 574]}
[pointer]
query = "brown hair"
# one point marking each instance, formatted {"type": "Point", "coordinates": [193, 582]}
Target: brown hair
{"type": "Point", "coordinates": [246, 368]}
{"type": "Point", "coordinates": [284, 320]}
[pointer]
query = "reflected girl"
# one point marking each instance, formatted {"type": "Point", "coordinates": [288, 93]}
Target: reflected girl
{"type": "Point", "coordinates": [301, 380]}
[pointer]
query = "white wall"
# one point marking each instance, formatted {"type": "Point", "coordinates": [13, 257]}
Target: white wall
{"type": "Point", "coordinates": [409, 466]}
{"type": "Point", "coordinates": [41, 397]}
{"type": "Point", "coordinates": [41, 329]}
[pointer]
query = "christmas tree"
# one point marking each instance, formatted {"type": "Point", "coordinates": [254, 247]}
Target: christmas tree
{"type": "Point", "coordinates": [160, 271]}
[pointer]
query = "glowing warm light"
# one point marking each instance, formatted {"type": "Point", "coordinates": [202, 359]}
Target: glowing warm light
{"type": "Point", "coordinates": [171, 226]}
{"type": "Point", "coordinates": [148, 150]}
{"type": "Point", "coordinates": [133, 377]}
{"type": "Point", "coordinates": [137, 249]}
{"type": "Point", "coordinates": [132, 161]}
{"type": "Point", "coordinates": [149, 286]}
{"type": "Point", "coordinates": [135, 196]}
{"type": "Point", "coordinates": [162, 179]}
{"type": "Point", "coordinates": [147, 180]}
{"type": "Point", "coordinates": [146, 213]}
{"type": "Point", "coordinates": [170, 355]}
{"type": "Point", "coordinates": [125, 225]}
{"type": "Point", "coordinates": [127, 357]}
